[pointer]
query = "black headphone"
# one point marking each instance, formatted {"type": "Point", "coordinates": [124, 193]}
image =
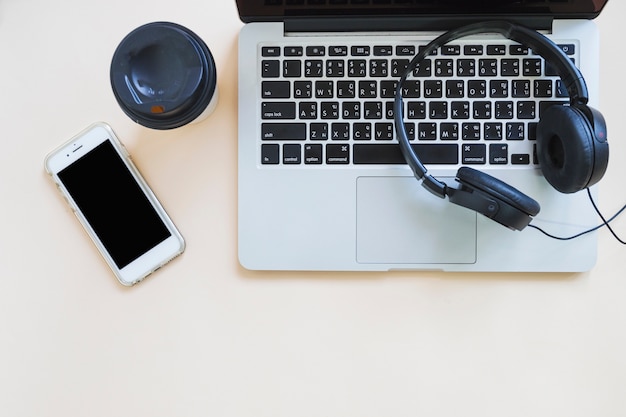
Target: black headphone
{"type": "Point", "coordinates": [572, 146]}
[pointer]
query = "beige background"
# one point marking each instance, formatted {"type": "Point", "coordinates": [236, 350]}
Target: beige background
{"type": "Point", "coordinates": [203, 336]}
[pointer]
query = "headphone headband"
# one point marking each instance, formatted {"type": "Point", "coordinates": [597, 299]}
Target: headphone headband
{"type": "Point", "coordinates": [570, 75]}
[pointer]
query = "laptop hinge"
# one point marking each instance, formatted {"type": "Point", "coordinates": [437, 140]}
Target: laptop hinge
{"type": "Point", "coordinates": [405, 24]}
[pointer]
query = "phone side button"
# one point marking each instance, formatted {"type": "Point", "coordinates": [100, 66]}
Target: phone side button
{"type": "Point", "coordinates": [69, 204]}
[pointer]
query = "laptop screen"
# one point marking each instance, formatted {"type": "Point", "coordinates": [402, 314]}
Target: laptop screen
{"type": "Point", "coordinates": [278, 10]}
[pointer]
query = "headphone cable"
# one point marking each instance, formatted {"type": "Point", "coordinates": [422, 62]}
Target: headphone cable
{"type": "Point", "coordinates": [605, 222]}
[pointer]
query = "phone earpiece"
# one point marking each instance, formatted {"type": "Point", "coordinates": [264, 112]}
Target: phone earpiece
{"type": "Point", "coordinates": [493, 198]}
{"type": "Point", "coordinates": [572, 147]}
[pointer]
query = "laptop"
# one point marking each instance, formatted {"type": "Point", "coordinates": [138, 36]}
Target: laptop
{"type": "Point", "coordinates": [320, 183]}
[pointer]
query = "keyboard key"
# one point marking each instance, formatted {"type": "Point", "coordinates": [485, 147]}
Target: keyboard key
{"type": "Point", "coordinates": [518, 50]}
{"type": "Point", "coordinates": [411, 89]}
{"type": "Point", "coordinates": [498, 88]}
{"type": "Point", "coordinates": [444, 67]}
{"type": "Point", "coordinates": [351, 110]}
{"type": "Point", "coordinates": [449, 131]}
{"type": "Point", "coordinates": [390, 153]}
{"type": "Point", "coordinates": [388, 89]}
{"type": "Point", "coordinates": [438, 110]}
{"type": "Point", "coordinates": [357, 68]}
{"type": "Point", "coordinates": [405, 50]}
{"type": "Point", "coordinates": [416, 110]}
{"type": "Point", "coordinates": [551, 70]}
{"type": "Point", "coordinates": [293, 51]}
{"type": "Point", "coordinates": [399, 66]}
{"type": "Point", "coordinates": [460, 109]}
{"type": "Point", "coordinates": [382, 50]}
{"type": "Point", "coordinates": [470, 131]}
{"type": "Point", "coordinates": [338, 51]}
{"type": "Point", "coordinates": [275, 89]}
{"type": "Point", "coordinates": [482, 110]}
{"type": "Point", "coordinates": [455, 89]}
{"type": "Point", "coordinates": [337, 154]}
{"type": "Point", "coordinates": [292, 154]}
{"type": "Point", "coordinates": [496, 49]}
{"type": "Point", "coordinates": [451, 50]}
{"type": "Point", "coordinates": [520, 88]}
{"type": "Point", "coordinates": [509, 67]}
{"type": "Point", "coordinates": [383, 131]}
{"type": "Point", "coordinates": [270, 51]}
{"type": "Point", "coordinates": [335, 68]}
{"type": "Point", "coordinates": [362, 131]}
{"type": "Point", "coordinates": [531, 67]}
{"type": "Point", "coordinates": [307, 110]}
{"type": "Point", "coordinates": [474, 154]}
{"type": "Point", "coordinates": [569, 49]}
{"type": "Point", "coordinates": [503, 110]}
{"type": "Point", "coordinates": [473, 49]}
{"type": "Point", "coordinates": [270, 69]}
{"type": "Point", "coordinates": [340, 131]}
{"type": "Point", "coordinates": [466, 68]}
{"type": "Point", "coordinates": [493, 131]}
{"type": "Point", "coordinates": [283, 131]}
{"type": "Point", "coordinates": [526, 110]}
{"type": "Point", "coordinates": [520, 159]}
{"type": "Point", "coordinates": [315, 51]}
{"type": "Point", "coordinates": [360, 50]}
{"type": "Point", "coordinates": [487, 67]}
{"type": "Point", "coordinates": [278, 110]}
{"type": "Point", "coordinates": [427, 131]}
{"type": "Point", "coordinates": [561, 91]}
{"type": "Point", "coordinates": [421, 48]}
{"type": "Point", "coordinates": [532, 131]}
{"type": "Point", "coordinates": [515, 131]}
{"type": "Point", "coordinates": [324, 89]}
{"type": "Point", "coordinates": [329, 110]}
{"type": "Point", "coordinates": [368, 89]}
{"type": "Point", "coordinates": [313, 68]}
{"type": "Point", "coordinates": [423, 69]}
{"type": "Point", "coordinates": [269, 154]}
{"type": "Point", "coordinates": [543, 88]}
{"type": "Point", "coordinates": [373, 110]}
{"type": "Point", "coordinates": [292, 68]}
{"type": "Point", "coordinates": [543, 105]}
{"type": "Point", "coordinates": [498, 153]}
{"type": "Point", "coordinates": [378, 68]}
{"type": "Point", "coordinates": [477, 88]}
{"type": "Point", "coordinates": [313, 154]}
{"type": "Point", "coordinates": [302, 89]}
{"type": "Point", "coordinates": [433, 89]}
{"type": "Point", "coordinates": [318, 131]}
{"type": "Point", "coordinates": [346, 89]}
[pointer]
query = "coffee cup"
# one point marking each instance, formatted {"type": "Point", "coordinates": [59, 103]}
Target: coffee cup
{"type": "Point", "coordinates": [163, 76]}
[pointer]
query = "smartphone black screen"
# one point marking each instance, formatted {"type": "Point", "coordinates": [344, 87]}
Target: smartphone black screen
{"type": "Point", "coordinates": [113, 203]}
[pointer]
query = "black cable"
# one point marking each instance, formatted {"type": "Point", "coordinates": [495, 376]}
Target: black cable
{"type": "Point", "coordinates": [603, 224]}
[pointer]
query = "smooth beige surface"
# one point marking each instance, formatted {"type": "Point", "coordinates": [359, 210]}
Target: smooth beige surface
{"type": "Point", "coordinates": [203, 336]}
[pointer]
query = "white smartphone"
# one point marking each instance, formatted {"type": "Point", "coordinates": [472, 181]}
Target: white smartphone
{"type": "Point", "coordinates": [115, 205]}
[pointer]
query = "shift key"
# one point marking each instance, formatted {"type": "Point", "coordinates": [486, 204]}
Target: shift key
{"type": "Point", "coordinates": [283, 131]}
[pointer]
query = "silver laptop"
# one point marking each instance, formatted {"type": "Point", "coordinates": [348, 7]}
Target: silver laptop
{"type": "Point", "coordinates": [322, 184]}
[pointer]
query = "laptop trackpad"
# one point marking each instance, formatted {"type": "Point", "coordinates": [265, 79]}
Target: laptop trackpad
{"type": "Point", "coordinates": [399, 222]}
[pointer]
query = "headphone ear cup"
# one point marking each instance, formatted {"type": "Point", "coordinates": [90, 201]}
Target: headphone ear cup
{"type": "Point", "coordinates": [493, 198]}
{"type": "Point", "coordinates": [498, 189]}
{"type": "Point", "coordinates": [566, 149]}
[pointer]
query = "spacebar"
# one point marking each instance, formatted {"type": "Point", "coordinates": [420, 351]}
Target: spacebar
{"type": "Point", "coordinates": [389, 153]}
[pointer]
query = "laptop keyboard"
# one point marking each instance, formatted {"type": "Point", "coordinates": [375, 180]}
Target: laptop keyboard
{"type": "Point", "coordinates": [467, 104]}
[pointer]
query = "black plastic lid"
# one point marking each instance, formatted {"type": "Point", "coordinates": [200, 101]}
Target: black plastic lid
{"type": "Point", "coordinates": [163, 75]}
